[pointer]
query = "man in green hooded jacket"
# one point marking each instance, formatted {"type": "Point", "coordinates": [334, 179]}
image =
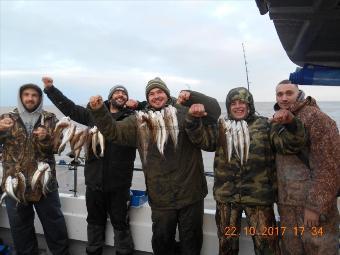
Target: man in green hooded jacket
{"type": "Point", "coordinates": [247, 183]}
{"type": "Point", "coordinates": [175, 181]}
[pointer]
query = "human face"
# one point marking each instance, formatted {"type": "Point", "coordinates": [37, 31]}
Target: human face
{"type": "Point", "coordinates": [239, 110]}
{"type": "Point", "coordinates": [119, 98]}
{"type": "Point", "coordinates": [30, 99]}
{"type": "Point", "coordinates": [157, 98]}
{"type": "Point", "coordinates": [286, 95]}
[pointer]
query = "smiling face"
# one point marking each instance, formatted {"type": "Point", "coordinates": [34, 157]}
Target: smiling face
{"type": "Point", "coordinates": [119, 98]}
{"type": "Point", "coordinates": [30, 99]}
{"type": "Point", "coordinates": [157, 98]}
{"type": "Point", "coordinates": [286, 95]}
{"type": "Point", "coordinates": [239, 110]}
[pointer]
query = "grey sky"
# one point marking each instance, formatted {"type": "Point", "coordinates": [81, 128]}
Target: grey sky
{"type": "Point", "coordinates": [89, 46]}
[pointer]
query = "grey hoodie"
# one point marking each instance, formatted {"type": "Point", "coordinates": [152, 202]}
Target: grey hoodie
{"type": "Point", "coordinates": [30, 118]}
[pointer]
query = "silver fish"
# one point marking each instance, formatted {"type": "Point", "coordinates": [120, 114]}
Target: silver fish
{"type": "Point", "coordinates": [45, 181]}
{"type": "Point", "coordinates": [143, 134]}
{"type": "Point", "coordinates": [240, 140]}
{"type": "Point", "coordinates": [229, 139]}
{"type": "Point", "coordinates": [94, 140]}
{"type": "Point", "coordinates": [20, 192]}
{"type": "Point", "coordinates": [11, 187]}
{"type": "Point", "coordinates": [63, 123]}
{"type": "Point", "coordinates": [246, 140]}
{"type": "Point", "coordinates": [170, 119]}
{"type": "Point", "coordinates": [162, 134]}
{"type": "Point", "coordinates": [153, 125]}
{"type": "Point", "coordinates": [68, 134]}
{"type": "Point", "coordinates": [42, 166]}
{"type": "Point", "coordinates": [235, 138]}
{"type": "Point", "coordinates": [101, 141]}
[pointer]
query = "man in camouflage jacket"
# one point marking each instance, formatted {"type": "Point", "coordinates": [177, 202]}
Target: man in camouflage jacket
{"type": "Point", "coordinates": [175, 181]}
{"type": "Point", "coordinates": [251, 186]}
{"type": "Point", "coordinates": [308, 181]}
{"type": "Point", "coordinates": [26, 136]}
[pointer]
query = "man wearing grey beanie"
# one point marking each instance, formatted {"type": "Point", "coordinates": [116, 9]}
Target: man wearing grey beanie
{"type": "Point", "coordinates": [108, 179]}
{"type": "Point", "coordinates": [175, 181]}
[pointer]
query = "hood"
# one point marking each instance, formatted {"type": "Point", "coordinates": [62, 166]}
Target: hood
{"type": "Point", "coordinates": [300, 104]}
{"type": "Point", "coordinates": [242, 94]}
{"type": "Point", "coordinates": [22, 109]}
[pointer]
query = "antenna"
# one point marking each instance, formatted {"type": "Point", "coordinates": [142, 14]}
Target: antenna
{"type": "Point", "coordinates": [245, 64]}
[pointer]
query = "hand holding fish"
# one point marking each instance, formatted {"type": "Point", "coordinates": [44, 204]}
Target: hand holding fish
{"type": "Point", "coordinates": [6, 123]}
{"type": "Point", "coordinates": [48, 81]}
{"type": "Point", "coordinates": [40, 132]}
{"type": "Point", "coordinates": [197, 110]}
{"type": "Point", "coordinates": [283, 117]}
{"type": "Point", "coordinates": [96, 102]}
{"type": "Point", "coordinates": [183, 97]}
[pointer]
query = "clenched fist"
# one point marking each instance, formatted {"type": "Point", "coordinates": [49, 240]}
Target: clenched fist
{"type": "Point", "coordinates": [197, 110]}
{"type": "Point", "coordinates": [6, 123]}
{"type": "Point", "coordinates": [40, 132]}
{"type": "Point", "coordinates": [48, 82]}
{"type": "Point", "coordinates": [96, 102]}
{"type": "Point", "coordinates": [283, 117]}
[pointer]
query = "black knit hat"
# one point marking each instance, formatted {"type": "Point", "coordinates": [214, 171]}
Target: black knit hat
{"type": "Point", "coordinates": [156, 83]}
{"type": "Point", "coordinates": [30, 86]}
{"type": "Point", "coordinates": [116, 88]}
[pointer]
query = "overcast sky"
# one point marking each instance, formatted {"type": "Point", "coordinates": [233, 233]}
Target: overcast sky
{"type": "Point", "coordinates": [89, 46]}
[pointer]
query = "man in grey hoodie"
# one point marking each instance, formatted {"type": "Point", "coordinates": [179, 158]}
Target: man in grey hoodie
{"type": "Point", "coordinates": [26, 135]}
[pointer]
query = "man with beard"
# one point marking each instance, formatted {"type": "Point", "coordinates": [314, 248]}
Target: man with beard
{"type": "Point", "coordinates": [308, 181]}
{"type": "Point", "coordinates": [175, 179]}
{"type": "Point", "coordinates": [108, 179]}
{"type": "Point", "coordinates": [26, 135]}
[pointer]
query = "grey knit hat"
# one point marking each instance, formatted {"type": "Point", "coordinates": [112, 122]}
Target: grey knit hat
{"type": "Point", "coordinates": [156, 83]}
{"type": "Point", "coordinates": [118, 87]}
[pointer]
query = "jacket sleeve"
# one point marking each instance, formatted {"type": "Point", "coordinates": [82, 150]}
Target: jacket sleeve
{"type": "Point", "coordinates": [289, 138]}
{"type": "Point", "coordinates": [203, 136]}
{"type": "Point", "coordinates": [77, 113]}
{"type": "Point", "coordinates": [324, 163]}
{"type": "Point", "coordinates": [121, 132]}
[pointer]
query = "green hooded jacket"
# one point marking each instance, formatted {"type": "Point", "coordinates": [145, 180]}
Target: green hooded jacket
{"type": "Point", "coordinates": [174, 180]}
{"type": "Point", "coordinates": [254, 182]}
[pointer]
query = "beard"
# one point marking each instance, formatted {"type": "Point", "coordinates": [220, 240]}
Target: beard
{"type": "Point", "coordinates": [117, 105]}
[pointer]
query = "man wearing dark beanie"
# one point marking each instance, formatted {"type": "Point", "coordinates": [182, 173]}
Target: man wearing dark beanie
{"type": "Point", "coordinates": [108, 179]}
{"type": "Point", "coordinates": [175, 181]}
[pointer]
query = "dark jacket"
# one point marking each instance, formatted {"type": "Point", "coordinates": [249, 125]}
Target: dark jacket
{"type": "Point", "coordinates": [174, 180]}
{"type": "Point", "coordinates": [115, 169]}
{"type": "Point", "coordinates": [22, 152]}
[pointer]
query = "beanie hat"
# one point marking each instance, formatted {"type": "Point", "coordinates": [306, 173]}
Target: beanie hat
{"type": "Point", "coordinates": [117, 88]}
{"type": "Point", "coordinates": [156, 83]}
{"type": "Point", "coordinates": [30, 86]}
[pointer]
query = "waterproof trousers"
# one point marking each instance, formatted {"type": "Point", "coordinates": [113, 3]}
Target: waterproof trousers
{"type": "Point", "coordinates": [21, 220]}
{"type": "Point", "coordinates": [259, 218]}
{"type": "Point", "coordinates": [115, 204]}
{"type": "Point", "coordinates": [189, 221]}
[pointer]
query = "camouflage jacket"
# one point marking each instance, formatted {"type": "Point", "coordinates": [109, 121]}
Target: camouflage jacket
{"type": "Point", "coordinates": [174, 180]}
{"type": "Point", "coordinates": [21, 152]}
{"type": "Point", "coordinates": [311, 177]}
{"type": "Point", "coordinates": [254, 182]}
